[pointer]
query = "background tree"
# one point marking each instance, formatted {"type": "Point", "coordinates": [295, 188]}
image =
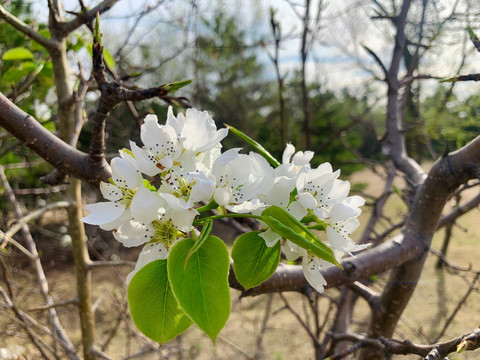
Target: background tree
{"type": "Point", "coordinates": [343, 128]}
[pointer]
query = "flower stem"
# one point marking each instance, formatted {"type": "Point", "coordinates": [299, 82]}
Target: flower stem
{"type": "Point", "coordinates": [202, 220]}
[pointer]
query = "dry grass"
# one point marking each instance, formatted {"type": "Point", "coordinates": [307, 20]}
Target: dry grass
{"type": "Point", "coordinates": [436, 296]}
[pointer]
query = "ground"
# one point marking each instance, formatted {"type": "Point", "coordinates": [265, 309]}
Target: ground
{"type": "Point", "coordinates": [436, 297]}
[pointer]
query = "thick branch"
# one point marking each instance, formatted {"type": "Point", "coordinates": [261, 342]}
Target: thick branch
{"type": "Point", "coordinates": [396, 137]}
{"type": "Point", "coordinates": [447, 174]}
{"type": "Point", "coordinates": [59, 154]}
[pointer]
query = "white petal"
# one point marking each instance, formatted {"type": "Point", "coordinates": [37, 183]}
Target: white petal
{"type": "Point", "coordinates": [115, 224]}
{"type": "Point", "coordinates": [127, 171]}
{"type": "Point", "coordinates": [312, 268]}
{"type": "Point", "coordinates": [172, 121]}
{"type": "Point", "coordinates": [293, 251]}
{"type": "Point", "coordinates": [102, 213]}
{"type": "Point", "coordinates": [144, 164]}
{"type": "Point", "coordinates": [166, 162]}
{"type": "Point", "coordinates": [341, 212]}
{"type": "Point", "coordinates": [302, 158]}
{"type": "Point", "coordinates": [287, 153]}
{"type": "Point", "coordinates": [151, 252]}
{"type": "Point", "coordinates": [307, 200]}
{"type": "Point", "coordinates": [203, 188]}
{"type": "Point", "coordinates": [146, 205]}
{"type": "Point", "coordinates": [175, 203]}
{"type": "Point", "coordinates": [297, 210]}
{"type": "Point", "coordinates": [355, 201]}
{"type": "Point", "coordinates": [206, 159]}
{"type": "Point", "coordinates": [337, 241]}
{"type": "Point", "coordinates": [200, 131]}
{"type": "Point", "coordinates": [222, 195]}
{"type": "Point", "coordinates": [246, 206]}
{"type": "Point", "coordinates": [339, 191]}
{"type": "Point", "coordinates": [270, 237]}
{"type": "Point", "coordinates": [322, 213]}
{"type": "Point", "coordinates": [239, 169]}
{"type": "Point", "coordinates": [223, 160]}
{"type": "Point", "coordinates": [150, 130]}
{"type": "Point", "coordinates": [134, 233]}
{"type": "Point", "coordinates": [110, 192]}
{"type": "Point", "coordinates": [182, 219]}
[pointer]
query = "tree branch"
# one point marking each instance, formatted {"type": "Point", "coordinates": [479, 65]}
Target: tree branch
{"type": "Point", "coordinates": [25, 29]}
{"type": "Point", "coordinates": [62, 156]}
{"type": "Point", "coordinates": [84, 18]}
{"type": "Point", "coordinates": [469, 341]}
{"type": "Point", "coordinates": [412, 243]}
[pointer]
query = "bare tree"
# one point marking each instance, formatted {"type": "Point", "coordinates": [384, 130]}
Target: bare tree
{"type": "Point", "coordinates": [403, 254]}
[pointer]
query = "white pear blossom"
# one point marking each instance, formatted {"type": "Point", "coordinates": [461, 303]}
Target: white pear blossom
{"type": "Point", "coordinates": [179, 212]}
{"type": "Point", "coordinates": [292, 165]}
{"type": "Point", "coordinates": [311, 265]}
{"type": "Point", "coordinates": [342, 222]}
{"type": "Point", "coordinates": [125, 181]}
{"type": "Point", "coordinates": [319, 189]}
{"type": "Point", "coordinates": [240, 179]}
{"type": "Point", "coordinates": [193, 187]}
{"type": "Point", "coordinates": [197, 128]}
{"type": "Point", "coordinates": [161, 147]}
{"type": "Point", "coordinates": [186, 154]}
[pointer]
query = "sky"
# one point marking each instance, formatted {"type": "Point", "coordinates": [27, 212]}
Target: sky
{"type": "Point", "coordinates": [337, 59]}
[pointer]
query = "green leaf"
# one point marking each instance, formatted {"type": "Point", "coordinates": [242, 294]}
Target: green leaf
{"type": "Point", "coordinates": [153, 307]}
{"type": "Point", "coordinates": [285, 225]}
{"type": "Point", "coordinates": [18, 53]}
{"type": "Point", "coordinates": [256, 145]}
{"type": "Point", "coordinates": [172, 87]}
{"type": "Point", "coordinates": [47, 70]}
{"type": "Point", "coordinates": [109, 60]}
{"type": "Point", "coordinates": [89, 49]}
{"type": "Point", "coordinates": [201, 287]}
{"type": "Point", "coordinates": [253, 261]}
{"type": "Point", "coordinates": [16, 74]}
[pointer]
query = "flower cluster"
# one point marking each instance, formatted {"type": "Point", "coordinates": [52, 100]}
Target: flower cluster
{"type": "Point", "coordinates": [156, 189]}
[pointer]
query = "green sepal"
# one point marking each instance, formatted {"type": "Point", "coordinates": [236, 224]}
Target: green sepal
{"type": "Point", "coordinates": [201, 288]}
{"type": "Point", "coordinates": [318, 226]}
{"type": "Point", "coordinates": [210, 206]}
{"type": "Point", "coordinates": [256, 145]}
{"type": "Point", "coordinates": [154, 309]}
{"type": "Point", "coordinates": [148, 185]}
{"type": "Point", "coordinates": [253, 261]}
